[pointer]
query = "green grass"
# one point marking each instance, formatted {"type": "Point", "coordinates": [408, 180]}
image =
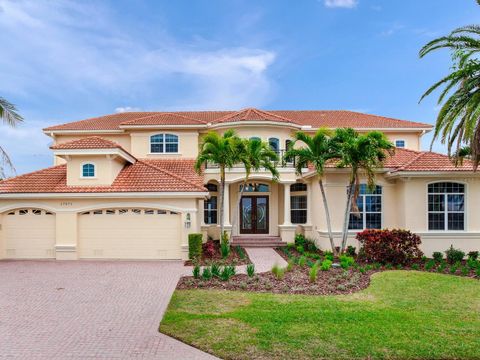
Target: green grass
{"type": "Point", "coordinates": [403, 314]}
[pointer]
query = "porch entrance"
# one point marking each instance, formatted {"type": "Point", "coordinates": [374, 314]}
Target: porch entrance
{"type": "Point", "coordinates": [254, 215]}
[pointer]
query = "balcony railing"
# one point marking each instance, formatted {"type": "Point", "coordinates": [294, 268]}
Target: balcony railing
{"type": "Point", "coordinates": [282, 162]}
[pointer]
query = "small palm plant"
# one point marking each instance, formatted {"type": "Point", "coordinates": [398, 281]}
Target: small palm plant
{"type": "Point", "coordinates": [10, 117]}
{"type": "Point", "coordinates": [362, 153]}
{"type": "Point", "coordinates": [317, 151]}
{"type": "Point", "coordinates": [222, 150]}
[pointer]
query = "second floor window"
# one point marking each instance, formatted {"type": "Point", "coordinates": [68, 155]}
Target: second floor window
{"type": "Point", "coordinates": [274, 144]}
{"type": "Point", "coordinates": [400, 143]}
{"type": "Point", "coordinates": [88, 170]}
{"type": "Point", "coordinates": [369, 214]}
{"type": "Point", "coordinates": [164, 143]}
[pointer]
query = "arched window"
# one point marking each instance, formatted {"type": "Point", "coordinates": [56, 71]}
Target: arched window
{"type": "Point", "coordinates": [446, 206]}
{"type": "Point", "coordinates": [88, 170]}
{"type": "Point", "coordinates": [255, 138]}
{"type": "Point", "coordinates": [274, 144]}
{"type": "Point", "coordinates": [164, 143]}
{"type": "Point", "coordinates": [255, 187]}
{"type": "Point", "coordinates": [369, 214]}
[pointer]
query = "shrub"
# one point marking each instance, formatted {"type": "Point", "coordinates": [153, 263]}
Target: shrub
{"type": "Point", "coordinates": [196, 271]}
{"type": "Point", "coordinates": [441, 267]}
{"type": "Point", "coordinates": [302, 260]}
{"type": "Point", "coordinates": [328, 255]}
{"type": "Point", "coordinates": [215, 270]}
{"type": "Point", "coordinates": [300, 249]}
{"type": "Point", "coordinates": [346, 261]}
{"type": "Point", "coordinates": [250, 270]}
{"type": "Point", "coordinates": [206, 274]}
{"type": "Point", "coordinates": [311, 255]}
{"type": "Point", "coordinates": [291, 262]}
{"type": "Point", "coordinates": [291, 245]}
{"type": "Point", "coordinates": [309, 245]}
{"type": "Point", "coordinates": [389, 266]}
{"type": "Point", "coordinates": [437, 256]}
{"type": "Point", "coordinates": [415, 267]}
{"type": "Point", "coordinates": [209, 248]}
{"type": "Point", "coordinates": [224, 245]}
{"type": "Point", "coordinates": [399, 266]}
{"type": "Point", "coordinates": [424, 258]}
{"type": "Point", "coordinates": [465, 271]}
{"type": "Point", "coordinates": [310, 263]}
{"type": "Point", "coordinates": [326, 265]}
{"type": "Point", "coordinates": [390, 246]}
{"type": "Point", "coordinates": [313, 274]}
{"type": "Point", "coordinates": [477, 272]}
{"type": "Point", "coordinates": [473, 264]}
{"type": "Point", "coordinates": [194, 246]}
{"type": "Point", "coordinates": [430, 264]}
{"type": "Point", "coordinates": [377, 265]}
{"type": "Point", "coordinates": [227, 272]}
{"type": "Point", "coordinates": [240, 252]}
{"type": "Point", "coordinates": [351, 250]}
{"type": "Point", "coordinates": [278, 272]}
{"type": "Point", "coordinates": [454, 255]}
{"type": "Point", "coordinates": [473, 255]}
{"type": "Point", "coordinates": [299, 239]}
{"type": "Point", "coordinates": [362, 269]}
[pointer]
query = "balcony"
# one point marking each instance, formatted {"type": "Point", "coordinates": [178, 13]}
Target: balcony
{"type": "Point", "coordinates": [281, 163]}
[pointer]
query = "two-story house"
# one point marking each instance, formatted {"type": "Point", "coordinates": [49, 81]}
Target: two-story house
{"type": "Point", "coordinates": [123, 187]}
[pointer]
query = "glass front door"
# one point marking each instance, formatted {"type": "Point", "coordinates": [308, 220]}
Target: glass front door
{"type": "Point", "coordinates": [254, 215]}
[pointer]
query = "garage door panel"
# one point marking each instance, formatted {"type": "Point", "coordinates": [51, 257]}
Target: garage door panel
{"type": "Point", "coordinates": [29, 234]}
{"type": "Point", "coordinates": [129, 235]}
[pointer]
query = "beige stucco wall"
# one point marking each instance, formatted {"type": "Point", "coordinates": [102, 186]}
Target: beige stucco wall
{"type": "Point", "coordinates": [106, 170]}
{"type": "Point", "coordinates": [67, 209]}
{"type": "Point", "coordinates": [187, 144]}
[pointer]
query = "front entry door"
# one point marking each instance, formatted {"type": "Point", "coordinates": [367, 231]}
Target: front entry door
{"type": "Point", "coordinates": [254, 215]}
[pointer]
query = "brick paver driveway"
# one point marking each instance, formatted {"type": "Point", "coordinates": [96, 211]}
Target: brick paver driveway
{"type": "Point", "coordinates": [87, 309]}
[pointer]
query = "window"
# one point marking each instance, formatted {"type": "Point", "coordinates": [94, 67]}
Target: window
{"type": "Point", "coordinates": [164, 143]}
{"type": "Point", "coordinates": [369, 214]}
{"type": "Point", "coordinates": [255, 187]}
{"type": "Point", "coordinates": [88, 170]}
{"type": "Point", "coordinates": [210, 210]}
{"type": "Point", "coordinates": [255, 138]}
{"type": "Point", "coordinates": [212, 187]}
{"type": "Point", "coordinates": [298, 203]}
{"type": "Point", "coordinates": [274, 144]}
{"type": "Point", "coordinates": [446, 206]}
{"type": "Point", "coordinates": [400, 143]}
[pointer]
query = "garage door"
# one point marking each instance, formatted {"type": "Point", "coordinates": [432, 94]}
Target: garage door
{"type": "Point", "coordinates": [29, 234]}
{"type": "Point", "coordinates": [129, 234]}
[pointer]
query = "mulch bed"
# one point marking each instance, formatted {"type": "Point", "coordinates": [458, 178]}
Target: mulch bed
{"type": "Point", "coordinates": [233, 259]}
{"type": "Point", "coordinates": [296, 281]}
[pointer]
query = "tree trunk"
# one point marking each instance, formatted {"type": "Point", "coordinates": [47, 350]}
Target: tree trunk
{"type": "Point", "coordinates": [327, 216]}
{"type": "Point", "coordinates": [222, 203]}
{"type": "Point", "coordinates": [347, 216]}
{"type": "Point", "coordinates": [235, 211]}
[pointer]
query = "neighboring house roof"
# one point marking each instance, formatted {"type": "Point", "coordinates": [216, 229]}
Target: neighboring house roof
{"type": "Point", "coordinates": [91, 142]}
{"type": "Point", "coordinates": [313, 118]}
{"type": "Point", "coordinates": [142, 176]}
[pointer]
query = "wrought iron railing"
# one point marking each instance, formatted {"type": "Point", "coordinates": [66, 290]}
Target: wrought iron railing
{"type": "Point", "coordinates": [283, 161]}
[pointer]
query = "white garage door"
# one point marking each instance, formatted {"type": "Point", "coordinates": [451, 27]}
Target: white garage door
{"type": "Point", "coordinates": [129, 234]}
{"type": "Point", "coordinates": [29, 234]}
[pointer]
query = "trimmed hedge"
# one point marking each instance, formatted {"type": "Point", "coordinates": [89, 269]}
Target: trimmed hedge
{"type": "Point", "coordinates": [394, 246]}
{"type": "Point", "coordinates": [195, 246]}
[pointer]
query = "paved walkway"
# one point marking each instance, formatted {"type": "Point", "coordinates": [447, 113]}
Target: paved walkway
{"type": "Point", "coordinates": [88, 310]}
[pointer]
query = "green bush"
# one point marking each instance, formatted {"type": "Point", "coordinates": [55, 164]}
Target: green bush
{"type": "Point", "coordinates": [227, 272]}
{"type": "Point", "coordinates": [309, 245]}
{"type": "Point", "coordinates": [310, 263]}
{"type": "Point", "coordinates": [473, 264]}
{"type": "Point", "coordinates": [194, 246]}
{"type": "Point", "coordinates": [291, 262]}
{"type": "Point", "coordinates": [206, 274]}
{"type": "Point", "coordinates": [313, 274]}
{"type": "Point", "coordinates": [302, 260]}
{"type": "Point", "coordinates": [240, 252]}
{"type": "Point", "coordinates": [215, 270]}
{"type": "Point", "coordinates": [291, 246]}
{"type": "Point", "coordinates": [278, 272]}
{"type": "Point", "coordinates": [300, 249]}
{"type": "Point", "coordinates": [196, 271]}
{"type": "Point", "coordinates": [328, 255]}
{"type": "Point", "coordinates": [399, 266]}
{"type": "Point", "coordinates": [473, 255]}
{"type": "Point", "coordinates": [346, 261]}
{"type": "Point", "coordinates": [454, 255]}
{"type": "Point", "coordinates": [351, 250]}
{"type": "Point", "coordinates": [326, 265]}
{"type": "Point", "coordinates": [437, 256]}
{"type": "Point", "coordinates": [477, 272]}
{"type": "Point", "coordinates": [465, 271]}
{"type": "Point", "coordinates": [389, 266]}
{"type": "Point", "coordinates": [415, 267]}
{"type": "Point", "coordinates": [299, 239]}
{"type": "Point", "coordinates": [430, 264]}
{"type": "Point", "coordinates": [250, 270]}
{"type": "Point", "coordinates": [377, 265]}
{"type": "Point", "coordinates": [441, 268]}
{"type": "Point", "coordinates": [225, 245]}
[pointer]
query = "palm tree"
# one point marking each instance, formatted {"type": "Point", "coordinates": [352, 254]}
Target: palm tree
{"type": "Point", "coordinates": [317, 151]}
{"type": "Point", "coordinates": [458, 120]}
{"type": "Point", "coordinates": [223, 151]}
{"type": "Point", "coordinates": [255, 155]}
{"type": "Point", "coordinates": [10, 117]}
{"type": "Point", "coordinates": [362, 153]}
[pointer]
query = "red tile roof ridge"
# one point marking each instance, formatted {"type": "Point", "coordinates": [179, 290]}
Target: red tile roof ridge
{"type": "Point", "coordinates": [202, 188]}
{"type": "Point", "coordinates": [407, 164]}
{"type": "Point", "coordinates": [113, 144]}
{"type": "Point", "coordinates": [163, 113]}
{"type": "Point", "coordinates": [256, 111]}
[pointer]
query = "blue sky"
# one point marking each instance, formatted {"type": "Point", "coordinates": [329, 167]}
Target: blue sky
{"type": "Point", "coordinates": [69, 60]}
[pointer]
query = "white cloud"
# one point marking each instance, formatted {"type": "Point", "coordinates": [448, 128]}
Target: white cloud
{"type": "Point", "coordinates": [349, 4]}
{"type": "Point", "coordinates": [123, 109]}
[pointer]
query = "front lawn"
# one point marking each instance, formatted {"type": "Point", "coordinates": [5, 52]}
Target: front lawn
{"type": "Point", "coordinates": [402, 314]}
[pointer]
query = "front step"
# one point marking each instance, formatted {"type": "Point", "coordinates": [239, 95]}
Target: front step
{"type": "Point", "coordinates": [260, 241]}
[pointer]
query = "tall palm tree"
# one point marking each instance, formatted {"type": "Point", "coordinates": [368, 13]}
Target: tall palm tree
{"type": "Point", "coordinates": [363, 153]}
{"type": "Point", "coordinates": [10, 117]}
{"type": "Point", "coordinates": [317, 151]}
{"type": "Point", "coordinates": [458, 120]}
{"type": "Point", "coordinates": [255, 155]}
{"type": "Point", "coordinates": [223, 151]}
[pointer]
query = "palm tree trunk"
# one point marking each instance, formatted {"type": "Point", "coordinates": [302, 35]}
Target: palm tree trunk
{"type": "Point", "coordinates": [327, 216]}
{"type": "Point", "coordinates": [222, 203]}
{"type": "Point", "coordinates": [347, 216]}
{"type": "Point", "coordinates": [235, 211]}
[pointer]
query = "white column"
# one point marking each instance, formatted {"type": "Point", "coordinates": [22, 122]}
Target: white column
{"type": "Point", "coordinates": [309, 203]}
{"type": "Point", "coordinates": [286, 205]}
{"type": "Point", "coordinates": [226, 202]}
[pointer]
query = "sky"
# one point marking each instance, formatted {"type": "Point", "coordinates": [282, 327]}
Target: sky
{"type": "Point", "coordinates": [69, 60]}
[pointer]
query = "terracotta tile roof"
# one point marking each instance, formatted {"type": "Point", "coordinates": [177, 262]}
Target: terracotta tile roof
{"type": "Point", "coordinates": [314, 118]}
{"type": "Point", "coordinates": [91, 142]}
{"type": "Point", "coordinates": [143, 176]}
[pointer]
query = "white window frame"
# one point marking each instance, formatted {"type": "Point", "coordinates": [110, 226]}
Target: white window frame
{"type": "Point", "coordinates": [364, 212]}
{"type": "Point", "coordinates": [211, 193]}
{"type": "Point", "coordinates": [445, 211]}
{"type": "Point", "coordinates": [164, 152]}
{"type": "Point", "coordinates": [94, 170]}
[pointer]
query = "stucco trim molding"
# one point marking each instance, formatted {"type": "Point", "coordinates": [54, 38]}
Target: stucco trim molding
{"type": "Point", "coordinates": [104, 195]}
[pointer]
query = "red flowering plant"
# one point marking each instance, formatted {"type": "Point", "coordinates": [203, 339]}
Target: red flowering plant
{"type": "Point", "coordinates": [394, 246]}
{"type": "Point", "coordinates": [209, 248]}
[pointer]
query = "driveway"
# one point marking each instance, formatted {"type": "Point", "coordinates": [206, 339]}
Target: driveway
{"type": "Point", "coordinates": [88, 309]}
